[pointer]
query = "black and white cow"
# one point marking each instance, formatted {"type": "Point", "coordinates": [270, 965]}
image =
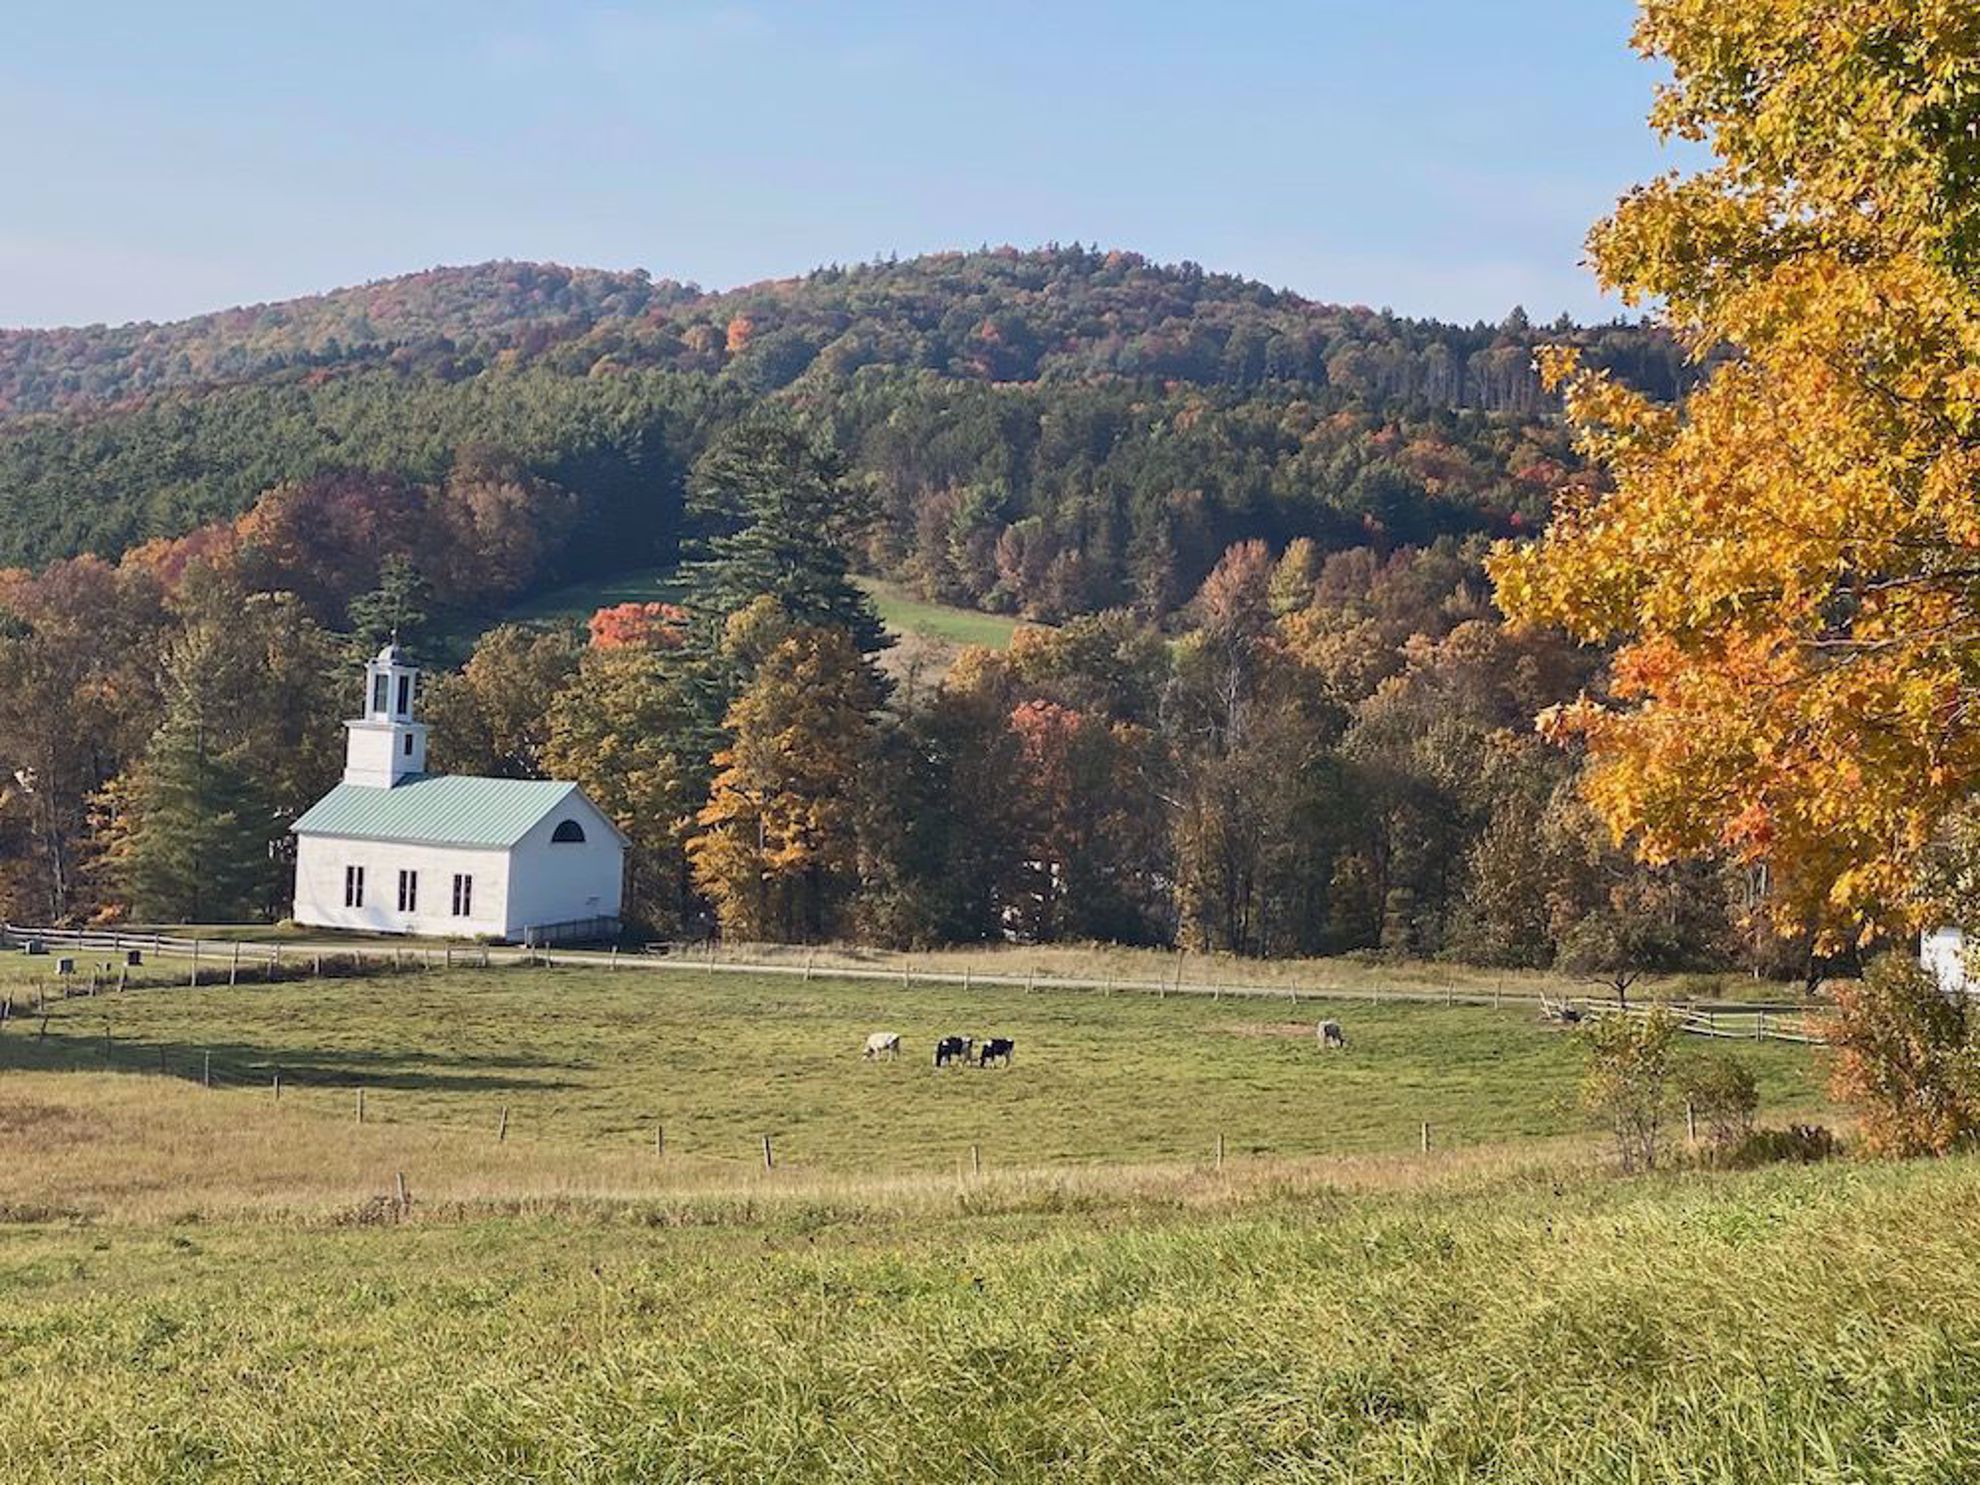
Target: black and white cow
{"type": "Point", "coordinates": [1330, 1034]}
{"type": "Point", "coordinates": [952, 1049]}
{"type": "Point", "coordinates": [996, 1049]}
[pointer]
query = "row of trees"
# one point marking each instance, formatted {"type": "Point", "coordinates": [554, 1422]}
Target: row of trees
{"type": "Point", "coordinates": [1333, 751]}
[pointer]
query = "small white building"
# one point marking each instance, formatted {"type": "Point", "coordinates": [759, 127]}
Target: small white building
{"type": "Point", "coordinates": [393, 849]}
{"type": "Point", "coordinates": [1942, 953]}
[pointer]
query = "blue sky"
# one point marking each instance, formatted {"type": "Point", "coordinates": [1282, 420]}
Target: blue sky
{"type": "Point", "coordinates": [1436, 156]}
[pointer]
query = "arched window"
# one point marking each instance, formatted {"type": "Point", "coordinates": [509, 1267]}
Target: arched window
{"type": "Point", "coordinates": [569, 833]}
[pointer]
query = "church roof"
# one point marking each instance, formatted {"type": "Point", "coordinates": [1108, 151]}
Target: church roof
{"type": "Point", "coordinates": [438, 810]}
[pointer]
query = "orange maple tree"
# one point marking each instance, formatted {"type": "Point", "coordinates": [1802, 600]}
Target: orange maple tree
{"type": "Point", "coordinates": [1790, 562]}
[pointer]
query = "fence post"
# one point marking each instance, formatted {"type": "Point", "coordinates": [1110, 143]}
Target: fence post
{"type": "Point", "coordinates": [405, 1198]}
{"type": "Point", "coordinates": [1691, 1121]}
{"type": "Point", "coordinates": [450, 956]}
{"type": "Point", "coordinates": [659, 1139]}
{"type": "Point", "coordinates": [1220, 1151]}
{"type": "Point", "coordinates": [195, 967]}
{"type": "Point", "coordinates": [278, 1085]}
{"type": "Point", "coordinates": [234, 965]}
{"type": "Point", "coordinates": [1030, 979]}
{"type": "Point", "coordinates": [106, 1040]}
{"type": "Point", "coordinates": [965, 978]}
{"type": "Point", "coordinates": [1426, 1136]}
{"type": "Point", "coordinates": [1496, 990]}
{"type": "Point", "coordinates": [769, 1160]}
{"type": "Point", "coordinates": [975, 1161]}
{"type": "Point", "coordinates": [275, 963]}
{"type": "Point", "coordinates": [206, 1070]}
{"type": "Point", "coordinates": [502, 1129]}
{"type": "Point", "coordinates": [360, 1106]}
{"type": "Point", "coordinates": [1760, 1027]}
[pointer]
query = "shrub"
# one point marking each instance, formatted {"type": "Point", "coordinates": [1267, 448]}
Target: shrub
{"type": "Point", "coordinates": [1627, 1081]}
{"type": "Point", "coordinates": [1722, 1093]}
{"type": "Point", "coordinates": [1905, 1060]}
{"type": "Point", "coordinates": [1802, 1144]}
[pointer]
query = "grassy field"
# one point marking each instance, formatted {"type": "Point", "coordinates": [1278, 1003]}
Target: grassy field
{"type": "Point", "coordinates": [899, 609]}
{"type": "Point", "coordinates": [1771, 1327]}
{"type": "Point", "coordinates": [905, 614]}
{"type": "Point", "coordinates": [581, 600]}
{"type": "Point", "coordinates": [204, 1284]}
{"type": "Point", "coordinates": [596, 1059]}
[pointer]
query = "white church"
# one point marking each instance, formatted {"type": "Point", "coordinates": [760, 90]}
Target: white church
{"type": "Point", "coordinates": [393, 849]}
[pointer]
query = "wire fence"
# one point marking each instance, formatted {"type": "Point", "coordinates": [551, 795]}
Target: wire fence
{"type": "Point", "coordinates": [232, 961]}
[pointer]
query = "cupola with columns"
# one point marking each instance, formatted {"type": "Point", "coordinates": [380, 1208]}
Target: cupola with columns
{"type": "Point", "coordinates": [386, 745]}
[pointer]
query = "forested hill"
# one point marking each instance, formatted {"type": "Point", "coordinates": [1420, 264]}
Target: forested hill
{"type": "Point", "coordinates": [441, 320]}
{"type": "Point", "coordinates": [1043, 432]}
{"type": "Point", "coordinates": [1004, 315]}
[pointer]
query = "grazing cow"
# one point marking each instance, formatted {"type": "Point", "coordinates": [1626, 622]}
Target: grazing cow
{"type": "Point", "coordinates": [951, 1049]}
{"type": "Point", "coordinates": [996, 1048]}
{"type": "Point", "coordinates": [1330, 1034]}
{"type": "Point", "coordinates": [882, 1044]}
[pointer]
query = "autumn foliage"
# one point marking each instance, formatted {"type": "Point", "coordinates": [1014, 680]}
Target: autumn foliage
{"type": "Point", "coordinates": [1790, 565]}
{"type": "Point", "coordinates": [660, 626]}
{"type": "Point", "coordinates": [1905, 1061]}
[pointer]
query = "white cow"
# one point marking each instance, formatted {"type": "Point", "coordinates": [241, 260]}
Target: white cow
{"type": "Point", "coordinates": [1330, 1034]}
{"type": "Point", "coordinates": [882, 1043]}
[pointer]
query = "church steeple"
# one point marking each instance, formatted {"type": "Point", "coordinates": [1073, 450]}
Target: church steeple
{"type": "Point", "coordinates": [386, 745]}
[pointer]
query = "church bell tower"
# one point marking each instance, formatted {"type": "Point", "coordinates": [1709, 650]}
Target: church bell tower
{"type": "Point", "coordinates": [385, 745]}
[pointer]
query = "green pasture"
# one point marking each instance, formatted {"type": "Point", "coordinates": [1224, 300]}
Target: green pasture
{"type": "Point", "coordinates": [597, 1058]}
{"type": "Point", "coordinates": [904, 613]}
{"type": "Point", "coordinates": [899, 608]}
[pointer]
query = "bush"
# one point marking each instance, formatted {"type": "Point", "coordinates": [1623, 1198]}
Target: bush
{"type": "Point", "coordinates": [1798, 1144]}
{"type": "Point", "coordinates": [1905, 1060]}
{"type": "Point", "coordinates": [1627, 1082]}
{"type": "Point", "coordinates": [1723, 1095]}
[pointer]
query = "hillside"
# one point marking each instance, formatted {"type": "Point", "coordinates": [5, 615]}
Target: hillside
{"type": "Point", "coordinates": [1000, 316]}
{"type": "Point", "coordinates": [1045, 432]}
{"type": "Point", "coordinates": [448, 320]}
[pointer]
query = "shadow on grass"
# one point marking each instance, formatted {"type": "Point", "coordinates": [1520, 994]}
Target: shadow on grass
{"type": "Point", "coordinates": [237, 1064]}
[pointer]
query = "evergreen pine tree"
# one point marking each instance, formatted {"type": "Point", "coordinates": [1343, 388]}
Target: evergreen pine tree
{"type": "Point", "coordinates": [194, 847]}
{"type": "Point", "coordinates": [778, 511]}
{"type": "Point", "coordinates": [398, 608]}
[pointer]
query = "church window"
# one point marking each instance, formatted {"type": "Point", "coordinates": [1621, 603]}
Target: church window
{"type": "Point", "coordinates": [463, 896]}
{"type": "Point", "coordinates": [354, 886]}
{"type": "Point", "coordinates": [568, 833]}
{"type": "Point", "coordinates": [405, 696]}
{"type": "Point", "coordinates": [409, 745]}
{"type": "Point", "coordinates": [408, 891]}
{"type": "Point", "coordinates": [380, 686]}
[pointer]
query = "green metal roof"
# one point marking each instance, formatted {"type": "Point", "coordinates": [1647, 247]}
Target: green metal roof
{"type": "Point", "coordinates": [437, 810]}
